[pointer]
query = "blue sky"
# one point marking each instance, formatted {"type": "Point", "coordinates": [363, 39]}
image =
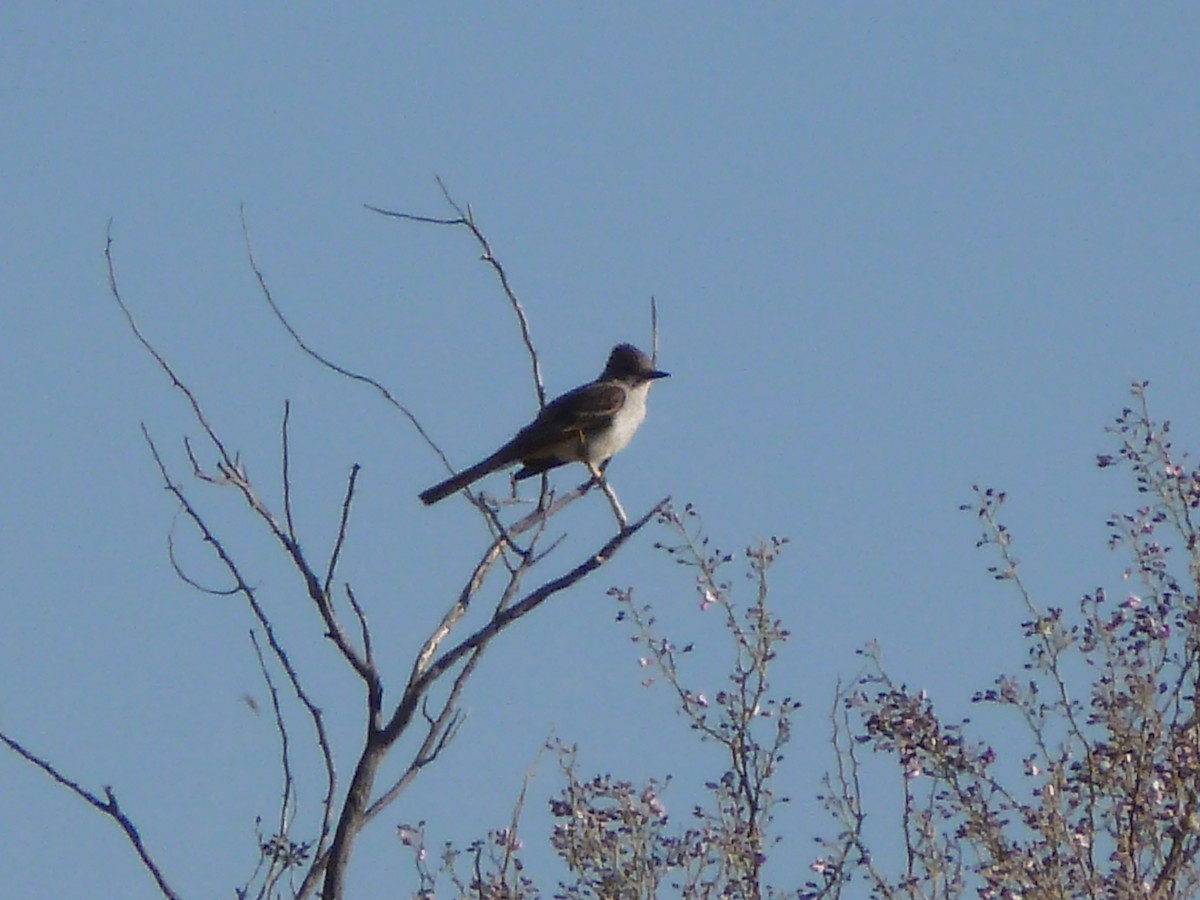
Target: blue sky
{"type": "Point", "coordinates": [897, 250]}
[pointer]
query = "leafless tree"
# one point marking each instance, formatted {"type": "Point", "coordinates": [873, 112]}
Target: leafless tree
{"type": "Point", "coordinates": [511, 576]}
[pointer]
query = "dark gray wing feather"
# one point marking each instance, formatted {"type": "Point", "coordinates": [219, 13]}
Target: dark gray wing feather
{"type": "Point", "coordinates": [576, 413]}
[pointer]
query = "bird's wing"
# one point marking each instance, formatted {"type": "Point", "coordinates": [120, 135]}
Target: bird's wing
{"type": "Point", "coordinates": [591, 405]}
{"type": "Point", "coordinates": [572, 416]}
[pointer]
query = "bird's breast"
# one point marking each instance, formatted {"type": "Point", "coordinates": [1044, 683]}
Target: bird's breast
{"type": "Point", "coordinates": [608, 441]}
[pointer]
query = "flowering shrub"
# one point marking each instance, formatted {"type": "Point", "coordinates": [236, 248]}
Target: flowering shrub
{"type": "Point", "coordinates": [1105, 802]}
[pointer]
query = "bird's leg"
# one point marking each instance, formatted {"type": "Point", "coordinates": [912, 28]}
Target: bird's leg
{"type": "Point", "coordinates": [582, 440]}
{"type": "Point", "coordinates": [598, 475]}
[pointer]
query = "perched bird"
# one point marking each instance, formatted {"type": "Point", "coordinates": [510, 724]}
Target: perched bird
{"type": "Point", "coordinates": [588, 424]}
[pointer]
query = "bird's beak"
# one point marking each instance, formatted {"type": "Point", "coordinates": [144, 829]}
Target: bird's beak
{"type": "Point", "coordinates": [655, 373]}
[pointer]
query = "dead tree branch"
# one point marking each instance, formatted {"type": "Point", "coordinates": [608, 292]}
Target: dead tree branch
{"type": "Point", "coordinates": [109, 806]}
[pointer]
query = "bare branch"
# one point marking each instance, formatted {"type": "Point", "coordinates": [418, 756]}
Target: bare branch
{"type": "Point", "coordinates": [532, 601]}
{"type": "Point", "coordinates": [439, 734]}
{"type": "Point", "coordinates": [456, 612]}
{"type": "Point", "coordinates": [537, 518]}
{"type": "Point", "coordinates": [324, 360]}
{"type": "Point", "coordinates": [109, 806]}
{"type": "Point", "coordinates": [609, 493]}
{"type": "Point", "coordinates": [466, 220]}
{"type": "Point", "coordinates": [232, 472]}
{"type": "Point", "coordinates": [244, 588]}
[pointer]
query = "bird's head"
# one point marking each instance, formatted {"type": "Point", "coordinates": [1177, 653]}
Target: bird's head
{"type": "Point", "coordinates": [628, 363]}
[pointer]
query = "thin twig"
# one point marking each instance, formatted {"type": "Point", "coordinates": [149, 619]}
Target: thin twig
{"type": "Point", "coordinates": [466, 219]}
{"type": "Point", "coordinates": [158, 358]}
{"type": "Point", "coordinates": [510, 843]}
{"type": "Point", "coordinates": [653, 330]}
{"type": "Point", "coordinates": [287, 476]}
{"type": "Point", "coordinates": [341, 535]}
{"type": "Point", "coordinates": [362, 624]}
{"type": "Point", "coordinates": [499, 531]}
{"type": "Point", "coordinates": [287, 801]}
{"type": "Point", "coordinates": [183, 576]}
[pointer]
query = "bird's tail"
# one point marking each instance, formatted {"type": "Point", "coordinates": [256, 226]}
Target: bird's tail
{"type": "Point", "coordinates": [455, 483]}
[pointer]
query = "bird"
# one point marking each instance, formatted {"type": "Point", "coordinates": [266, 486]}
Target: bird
{"type": "Point", "coordinates": [588, 424]}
